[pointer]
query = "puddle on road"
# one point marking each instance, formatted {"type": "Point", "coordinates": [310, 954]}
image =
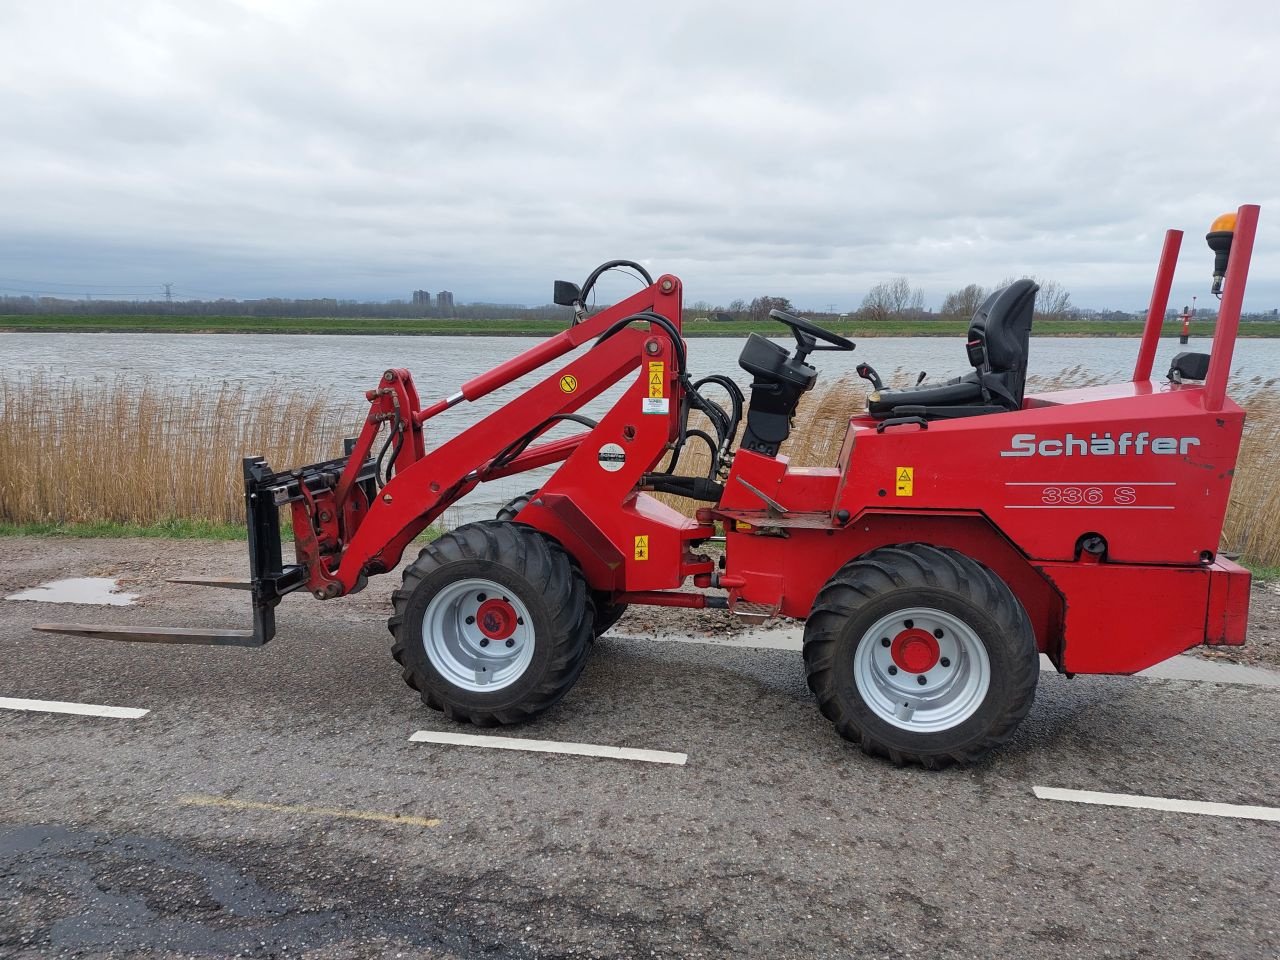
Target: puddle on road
{"type": "Point", "coordinates": [99, 591]}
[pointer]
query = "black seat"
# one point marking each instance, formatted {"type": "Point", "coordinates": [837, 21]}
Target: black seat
{"type": "Point", "coordinates": [999, 338]}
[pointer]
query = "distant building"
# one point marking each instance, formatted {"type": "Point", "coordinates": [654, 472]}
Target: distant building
{"type": "Point", "coordinates": [444, 301]}
{"type": "Point", "coordinates": [421, 298]}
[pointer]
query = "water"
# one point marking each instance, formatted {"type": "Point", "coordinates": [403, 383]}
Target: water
{"type": "Point", "coordinates": [101, 591]}
{"type": "Point", "coordinates": [344, 367]}
{"type": "Point", "coordinates": [347, 366]}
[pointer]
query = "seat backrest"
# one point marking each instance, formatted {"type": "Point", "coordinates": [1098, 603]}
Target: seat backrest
{"type": "Point", "coordinates": [1002, 325]}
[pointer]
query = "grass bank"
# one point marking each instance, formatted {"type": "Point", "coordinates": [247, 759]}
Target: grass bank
{"type": "Point", "coordinates": [172, 529]}
{"type": "Point", "coordinates": [74, 323]}
{"type": "Point", "coordinates": [1262, 573]}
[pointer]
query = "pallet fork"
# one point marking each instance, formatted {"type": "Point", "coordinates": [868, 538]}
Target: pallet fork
{"type": "Point", "coordinates": [270, 579]}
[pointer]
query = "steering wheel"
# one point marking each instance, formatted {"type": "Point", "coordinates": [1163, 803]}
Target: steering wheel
{"type": "Point", "coordinates": [807, 333]}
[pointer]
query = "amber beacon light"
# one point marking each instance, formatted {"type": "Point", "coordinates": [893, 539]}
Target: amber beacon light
{"type": "Point", "coordinates": [1219, 239]}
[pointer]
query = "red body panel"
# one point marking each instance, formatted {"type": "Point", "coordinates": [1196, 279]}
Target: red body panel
{"type": "Point", "coordinates": [1147, 468]}
{"type": "Point", "coordinates": [1227, 620]}
{"type": "Point", "coordinates": [1122, 618]}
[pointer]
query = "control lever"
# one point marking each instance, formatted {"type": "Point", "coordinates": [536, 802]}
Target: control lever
{"type": "Point", "coordinates": [868, 372]}
{"type": "Point", "coordinates": [920, 379]}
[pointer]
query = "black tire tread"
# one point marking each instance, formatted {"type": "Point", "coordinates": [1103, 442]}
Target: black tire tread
{"type": "Point", "coordinates": [548, 568]}
{"type": "Point", "coordinates": [607, 612]}
{"type": "Point", "coordinates": [905, 566]}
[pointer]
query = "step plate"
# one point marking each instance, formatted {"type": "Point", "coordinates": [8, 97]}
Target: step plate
{"type": "Point", "coordinates": [753, 612]}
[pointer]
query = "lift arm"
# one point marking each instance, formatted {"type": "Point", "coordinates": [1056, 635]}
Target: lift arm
{"type": "Point", "coordinates": [348, 525]}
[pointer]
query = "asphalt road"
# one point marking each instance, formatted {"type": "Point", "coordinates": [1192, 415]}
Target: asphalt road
{"type": "Point", "coordinates": [228, 820]}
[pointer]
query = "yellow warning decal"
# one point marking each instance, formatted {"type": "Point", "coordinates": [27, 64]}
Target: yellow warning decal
{"type": "Point", "coordinates": [568, 383]}
{"type": "Point", "coordinates": [642, 547]}
{"type": "Point", "coordinates": [656, 378]}
{"type": "Point", "coordinates": [905, 480]}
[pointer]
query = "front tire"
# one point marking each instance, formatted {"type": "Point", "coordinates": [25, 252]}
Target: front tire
{"type": "Point", "coordinates": [921, 655]}
{"type": "Point", "coordinates": [492, 624]}
{"type": "Point", "coordinates": [608, 613]}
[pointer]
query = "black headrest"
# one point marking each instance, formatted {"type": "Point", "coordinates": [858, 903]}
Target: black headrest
{"type": "Point", "coordinates": [1003, 323]}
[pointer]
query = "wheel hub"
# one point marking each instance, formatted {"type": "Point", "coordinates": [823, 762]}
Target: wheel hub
{"type": "Point", "coordinates": [922, 669]}
{"type": "Point", "coordinates": [478, 634]}
{"type": "Point", "coordinates": [915, 650]}
{"type": "Point", "coordinates": [496, 619]}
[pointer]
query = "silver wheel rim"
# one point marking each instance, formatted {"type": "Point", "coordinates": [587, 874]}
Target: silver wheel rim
{"type": "Point", "coordinates": [953, 687]}
{"type": "Point", "coordinates": [478, 635]}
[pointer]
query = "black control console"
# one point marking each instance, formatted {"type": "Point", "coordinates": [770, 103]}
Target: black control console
{"type": "Point", "coordinates": [780, 378]}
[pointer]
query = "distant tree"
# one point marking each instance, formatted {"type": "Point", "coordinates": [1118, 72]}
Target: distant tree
{"type": "Point", "coordinates": [699, 310]}
{"type": "Point", "coordinates": [760, 307]}
{"type": "Point", "coordinates": [963, 302]}
{"type": "Point", "coordinates": [738, 307]}
{"type": "Point", "coordinates": [893, 299]}
{"type": "Point", "coordinates": [1053, 302]}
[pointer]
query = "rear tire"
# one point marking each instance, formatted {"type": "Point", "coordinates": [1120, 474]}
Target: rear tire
{"type": "Point", "coordinates": [921, 655]}
{"type": "Point", "coordinates": [492, 624]}
{"type": "Point", "coordinates": [607, 613]}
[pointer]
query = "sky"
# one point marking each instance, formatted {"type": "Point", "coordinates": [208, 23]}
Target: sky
{"type": "Point", "coordinates": [806, 150]}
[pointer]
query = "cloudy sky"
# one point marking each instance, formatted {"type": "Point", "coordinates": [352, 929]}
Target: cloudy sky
{"type": "Point", "coordinates": [797, 149]}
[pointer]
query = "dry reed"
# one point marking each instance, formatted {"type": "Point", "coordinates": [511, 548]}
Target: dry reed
{"type": "Point", "coordinates": [119, 451]}
{"type": "Point", "coordinates": [1253, 518]}
{"type": "Point", "coordinates": [145, 454]}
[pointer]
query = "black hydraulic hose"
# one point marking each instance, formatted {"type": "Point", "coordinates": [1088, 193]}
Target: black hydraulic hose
{"type": "Point", "coordinates": [711, 445]}
{"type": "Point", "coordinates": [382, 452]}
{"type": "Point", "coordinates": [725, 425]}
{"type": "Point", "coordinates": [648, 316]}
{"type": "Point", "coordinates": [517, 446]}
{"type": "Point", "coordinates": [682, 422]}
{"type": "Point", "coordinates": [719, 421]}
{"type": "Point", "coordinates": [737, 404]}
{"type": "Point", "coordinates": [610, 265]}
{"type": "Point", "coordinates": [379, 472]}
{"type": "Point", "coordinates": [736, 399]}
{"type": "Point", "coordinates": [715, 413]}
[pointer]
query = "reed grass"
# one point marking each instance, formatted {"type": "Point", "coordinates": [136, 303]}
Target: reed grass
{"type": "Point", "coordinates": [118, 456]}
{"type": "Point", "coordinates": [1253, 519]}
{"type": "Point", "coordinates": [149, 455]}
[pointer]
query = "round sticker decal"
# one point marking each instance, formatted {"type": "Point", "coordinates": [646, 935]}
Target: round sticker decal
{"type": "Point", "coordinates": [612, 457]}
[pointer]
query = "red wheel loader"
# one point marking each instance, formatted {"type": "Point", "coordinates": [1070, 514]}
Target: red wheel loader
{"type": "Point", "coordinates": [967, 527]}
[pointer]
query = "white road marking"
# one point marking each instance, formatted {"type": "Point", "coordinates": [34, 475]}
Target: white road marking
{"type": "Point", "coordinates": [549, 746]}
{"type": "Point", "coordinates": [63, 706]}
{"type": "Point", "coordinates": [1204, 808]}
